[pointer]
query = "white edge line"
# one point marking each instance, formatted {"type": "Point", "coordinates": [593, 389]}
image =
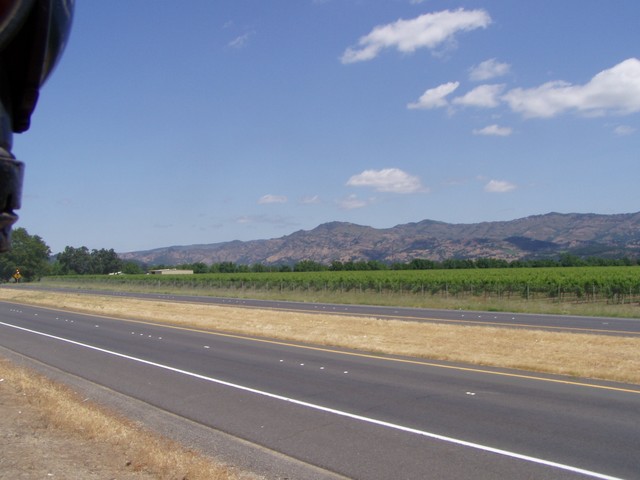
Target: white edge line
{"type": "Point", "coordinates": [313, 406]}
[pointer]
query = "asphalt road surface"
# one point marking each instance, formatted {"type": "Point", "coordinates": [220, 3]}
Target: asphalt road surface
{"type": "Point", "coordinates": [346, 413]}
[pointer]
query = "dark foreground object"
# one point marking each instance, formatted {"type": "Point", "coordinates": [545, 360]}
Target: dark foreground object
{"type": "Point", "coordinates": [33, 34]}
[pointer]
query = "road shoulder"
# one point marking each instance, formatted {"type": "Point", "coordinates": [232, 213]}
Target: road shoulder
{"type": "Point", "coordinates": [242, 456]}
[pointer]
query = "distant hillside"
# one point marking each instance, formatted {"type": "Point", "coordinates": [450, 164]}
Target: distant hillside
{"type": "Point", "coordinates": [537, 236]}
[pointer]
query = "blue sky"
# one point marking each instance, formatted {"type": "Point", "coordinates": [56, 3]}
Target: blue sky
{"type": "Point", "coordinates": [177, 123]}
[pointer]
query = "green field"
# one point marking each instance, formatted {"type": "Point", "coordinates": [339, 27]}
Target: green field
{"type": "Point", "coordinates": [610, 285]}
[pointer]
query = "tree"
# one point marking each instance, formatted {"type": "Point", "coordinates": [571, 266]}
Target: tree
{"type": "Point", "coordinates": [491, 263]}
{"type": "Point", "coordinates": [377, 265]}
{"type": "Point", "coordinates": [105, 261]}
{"type": "Point", "coordinates": [29, 254]}
{"type": "Point", "coordinates": [132, 268]}
{"type": "Point", "coordinates": [224, 267]}
{"type": "Point", "coordinates": [259, 268]}
{"type": "Point", "coordinates": [453, 263]}
{"type": "Point", "coordinates": [569, 260]}
{"type": "Point", "coordinates": [421, 264]}
{"type": "Point", "coordinates": [75, 261]}
{"type": "Point", "coordinates": [308, 266]}
{"type": "Point", "coordinates": [81, 261]}
{"type": "Point", "coordinates": [197, 267]}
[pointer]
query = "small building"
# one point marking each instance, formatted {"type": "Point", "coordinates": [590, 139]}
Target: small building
{"type": "Point", "coordinates": [170, 271]}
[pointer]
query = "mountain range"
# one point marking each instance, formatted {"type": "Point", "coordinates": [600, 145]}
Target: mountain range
{"type": "Point", "coordinates": [538, 236]}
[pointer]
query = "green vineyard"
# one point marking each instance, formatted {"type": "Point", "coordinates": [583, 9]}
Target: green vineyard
{"type": "Point", "coordinates": [613, 284]}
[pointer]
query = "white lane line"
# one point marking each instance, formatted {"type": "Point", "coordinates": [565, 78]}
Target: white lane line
{"type": "Point", "coordinates": [341, 413]}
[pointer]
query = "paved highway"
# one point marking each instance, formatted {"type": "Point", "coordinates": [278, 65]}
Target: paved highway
{"type": "Point", "coordinates": [348, 414]}
{"type": "Point", "coordinates": [566, 323]}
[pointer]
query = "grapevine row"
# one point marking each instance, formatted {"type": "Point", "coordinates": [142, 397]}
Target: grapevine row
{"type": "Point", "coordinates": [580, 282]}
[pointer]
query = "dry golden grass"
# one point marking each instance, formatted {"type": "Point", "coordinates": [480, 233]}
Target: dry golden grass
{"type": "Point", "coordinates": [62, 409]}
{"type": "Point", "coordinates": [580, 355]}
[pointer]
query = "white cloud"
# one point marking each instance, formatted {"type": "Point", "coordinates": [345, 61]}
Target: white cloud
{"type": "Point", "coordinates": [499, 186]}
{"type": "Point", "coordinates": [240, 42]}
{"type": "Point", "coordinates": [391, 180]}
{"type": "Point", "coordinates": [435, 97]}
{"type": "Point", "coordinates": [494, 130]}
{"type": "Point", "coordinates": [483, 96]}
{"type": "Point", "coordinates": [616, 90]}
{"type": "Point", "coordinates": [488, 69]}
{"type": "Point", "coordinates": [426, 31]}
{"type": "Point", "coordinates": [351, 202]}
{"type": "Point", "coordinates": [310, 200]}
{"type": "Point", "coordinates": [266, 199]}
{"type": "Point", "coordinates": [622, 130]}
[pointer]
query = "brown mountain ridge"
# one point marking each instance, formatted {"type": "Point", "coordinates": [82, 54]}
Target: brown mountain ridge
{"type": "Point", "coordinates": [538, 236]}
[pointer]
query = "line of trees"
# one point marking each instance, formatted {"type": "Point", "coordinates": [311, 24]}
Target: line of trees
{"type": "Point", "coordinates": [565, 260]}
{"type": "Point", "coordinates": [31, 256]}
{"type": "Point", "coordinates": [81, 261]}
